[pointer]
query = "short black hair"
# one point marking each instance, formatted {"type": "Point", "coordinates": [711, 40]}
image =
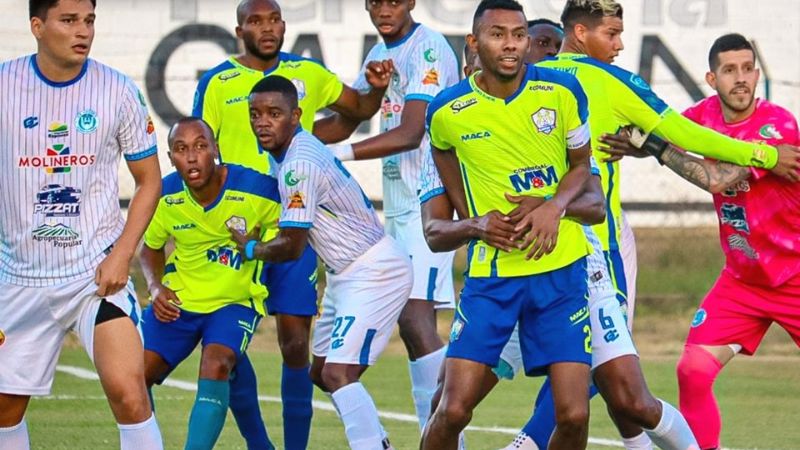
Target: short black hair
{"type": "Point", "coordinates": [589, 12]}
{"type": "Point", "coordinates": [543, 21]}
{"type": "Point", "coordinates": [39, 8]}
{"type": "Point", "coordinates": [185, 120]}
{"type": "Point", "coordinates": [485, 5]}
{"type": "Point", "coordinates": [727, 43]}
{"type": "Point", "coordinates": [277, 83]}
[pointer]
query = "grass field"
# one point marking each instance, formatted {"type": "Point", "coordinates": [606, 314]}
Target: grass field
{"type": "Point", "coordinates": [757, 395]}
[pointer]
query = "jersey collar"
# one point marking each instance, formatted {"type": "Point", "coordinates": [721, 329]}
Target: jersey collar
{"type": "Point", "coordinates": [529, 72]}
{"type": "Point", "coordinates": [403, 39]}
{"type": "Point", "coordinates": [58, 84]}
{"type": "Point", "coordinates": [220, 196]}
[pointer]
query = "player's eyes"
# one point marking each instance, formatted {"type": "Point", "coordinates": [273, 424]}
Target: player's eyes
{"type": "Point", "coordinates": [68, 20]}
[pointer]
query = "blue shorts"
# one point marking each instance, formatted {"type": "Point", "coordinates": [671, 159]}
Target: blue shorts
{"type": "Point", "coordinates": [552, 310]}
{"type": "Point", "coordinates": [292, 286]}
{"type": "Point", "coordinates": [617, 271]}
{"type": "Point", "coordinates": [232, 326]}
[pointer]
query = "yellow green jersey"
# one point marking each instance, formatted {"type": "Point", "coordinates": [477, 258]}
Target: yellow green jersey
{"type": "Point", "coordinates": [618, 98]}
{"type": "Point", "coordinates": [221, 100]}
{"type": "Point", "coordinates": [516, 145]}
{"type": "Point", "coordinates": [205, 269]}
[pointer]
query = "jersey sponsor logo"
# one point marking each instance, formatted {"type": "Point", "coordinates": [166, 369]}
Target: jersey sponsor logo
{"type": "Point", "coordinates": [290, 65]}
{"type": "Point", "coordinates": [700, 316]}
{"type": "Point", "coordinates": [431, 77]}
{"type": "Point", "coordinates": [57, 130]}
{"type": "Point", "coordinates": [458, 105]}
{"type": "Point", "coordinates": [228, 76]}
{"type": "Point", "coordinates": [60, 235]}
{"type": "Point", "coordinates": [545, 120]}
{"type": "Point", "coordinates": [742, 186]}
{"type": "Point", "coordinates": [541, 87]}
{"type": "Point", "coordinates": [389, 109]}
{"type": "Point", "coordinates": [296, 201]}
{"type": "Point", "coordinates": [639, 82]}
{"type": "Point", "coordinates": [300, 85]}
{"type": "Point", "coordinates": [225, 256]}
{"type": "Point", "coordinates": [391, 171]}
{"type": "Point", "coordinates": [234, 100]}
{"type": "Point", "coordinates": [735, 216]}
{"type": "Point", "coordinates": [55, 200]}
{"type": "Point", "coordinates": [237, 223]}
{"type": "Point", "coordinates": [739, 242]}
{"type": "Point", "coordinates": [57, 160]}
{"type": "Point", "coordinates": [769, 131]}
{"type": "Point", "coordinates": [292, 180]}
{"type": "Point", "coordinates": [151, 128]}
{"type": "Point", "coordinates": [87, 121]}
{"type": "Point", "coordinates": [579, 315]}
{"type": "Point", "coordinates": [533, 178]}
{"type": "Point", "coordinates": [30, 122]}
{"type": "Point", "coordinates": [184, 227]}
{"type": "Point", "coordinates": [478, 135]}
{"type": "Point", "coordinates": [173, 201]}
{"type": "Point", "coordinates": [234, 198]}
{"type": "Point", "coordinates": [569, 70]}
{"type": "Point", "coordinates": [430, 55]}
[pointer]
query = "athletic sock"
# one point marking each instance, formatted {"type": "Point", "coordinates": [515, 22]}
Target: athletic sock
{"type": "Point", "coordinates": [245, 407]}
{"type": "Point", "coordinates": [424, 381]}
{"type": "Point", "coordinates": [360, 417]}
{"type": "Point", "coordinates": [640, 442]}
{"type": "Point", "coordinates": [139, 436]}
{"type": "Point", "coordinates": [672, 432]}
{"type": "Point", "coordinates": [208, 414]}
{"type": "Point", "coordinates": [15, 437]}
{"type": "Point", "coordinates": [522, 442]}
{"type": "Point", "coordinates": [296, 393]}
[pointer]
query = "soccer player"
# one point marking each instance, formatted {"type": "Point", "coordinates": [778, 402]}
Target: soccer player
{"type": "Point", "coordinates": [204, 292]}
{"type": "Point", "coordinates": [758, 223]}
{"type": "Point", "coordinates": [424, 64]}
{"type": "Point", "coordinates": [369, 276]}
{"type": "Point", "coordinates": [66, 248]}
{"type": "Point", "coordinates": [221, 100]}
{"type": "Point", "coordinates": [546, 38]}
{"type": "Point", "coordinates": [495, 158]}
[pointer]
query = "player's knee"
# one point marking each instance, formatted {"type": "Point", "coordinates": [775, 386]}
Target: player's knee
{"type": "Point", "coordinates": [643, 410]}
{"type": "Point", "coordinates": [335, 376]}
{"type": "Point", "coordinates": [129, 403]}
{"type": "Point", "coordinates": [294, 350]}
{"type": "Point", "coordinates": [697, 368]}
{"type": "Point", "coordinates": [455, 415]}
{"type": "Point", "coordinates": [573, 419]}
{"type": "Point", "coordinates": [216, 368]}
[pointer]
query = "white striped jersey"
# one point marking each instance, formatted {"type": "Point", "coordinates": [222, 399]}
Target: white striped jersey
{"type": "Point", "coordinates": [424, 65]}
{"type": "Point", "coordinates": [61, 145]}
{"type": "Point", "coordinates": [319, 194]}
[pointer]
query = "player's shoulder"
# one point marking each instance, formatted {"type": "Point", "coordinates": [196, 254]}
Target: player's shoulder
{"type": "Point", "coordinates": [306, 147]}
{"type": "Point", "coordinates": [171, 184]}
{"type": "Point", "coordinates": [17, 66]}
{"type": "Point", "coordinates": [774, 109]}
{"type": "Point", "coordinates": [219, 72]}
{"type": "Point", "coordinates": [449, 96]}
{"type": "Point", "coordinates": [567, 80]}
{"type": "Point", "coordinates": [291, 61]}
{"type": "Point", "coordinates": [244, 179]}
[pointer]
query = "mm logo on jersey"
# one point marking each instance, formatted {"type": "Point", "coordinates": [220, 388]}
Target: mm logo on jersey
{"type": "Point", "coordinates": [226, 256]}
{"type": "Point", "coordinates": [533, 178]}
{"type": "Point", "coordinates": [58, 160]}
{"type": "Point", "coordinates": [59, 235]}
{"type": "Point", "coordinates": [478, 135]}
{"type": "Point", "coordinates": [55, 200]}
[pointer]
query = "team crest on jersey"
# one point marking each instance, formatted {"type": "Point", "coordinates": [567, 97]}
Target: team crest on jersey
{"type": "Point", "coordinates": [700, 316]}
{"type": "Point", "coordinates": [431, 77]}
{"type": "Point", "coordinates": [57, 130]}
{"type": "Point", "coordinates": [55, 200]}
{"type": "Point", "coordinates": [735, 216]}
{"type": "Point", "coordinates": [30, 122]}
{"type": "Point", "coordinates": [740, 243]}
{"type": "Point", "coordinates": [87, 121]}
{"type": "Point", "coordinates": [545, 120]}
{"type": "Point", "coordinates": [59, 235]}
{"type": "Point", "coordinates": [151, 128]}
{"type": "Point", "coordinates": [769, 131]}
{"type": "Point", "coordinates": [296, 201]}
{"type": "Point", "coordinates": [300, 85]}
{"type": "Point", "coordinates": [430, 55]}
{"type": "Point", "coordinates": [237, 223]}
{"type": "Point", "coordinates": [293, 180]}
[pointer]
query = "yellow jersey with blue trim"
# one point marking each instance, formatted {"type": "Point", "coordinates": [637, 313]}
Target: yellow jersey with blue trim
{"type": "Point", "coordinates": [221, 100]}
{"type": "Point", "coordinates": [516, 145]}
{"type": "Point", "coordinates": [205, 269]}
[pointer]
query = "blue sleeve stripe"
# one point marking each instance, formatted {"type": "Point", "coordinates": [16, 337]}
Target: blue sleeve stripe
{"type": "Point", "coordinates": [247, 180]}
{"type": "Point", "coordinates": [430, 194]}
{"type": "Point", "coordinates": [202, 87]}
{"type": "Point", "coordinates": [424, 97]}
{"type": "Point", "coordinates": [568, 81]}
{"type": "Point", "coordinates": [293, 224]}
{"type": "Point", "coordinates": [142, 155]}
{"type": "Point", "coordinates": [446, 96]}
{"type": "Point", "coordinates": [633, 82]}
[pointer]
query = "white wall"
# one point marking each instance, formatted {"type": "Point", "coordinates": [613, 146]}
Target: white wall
{"type": "Point", "coordinates": [128, 31]}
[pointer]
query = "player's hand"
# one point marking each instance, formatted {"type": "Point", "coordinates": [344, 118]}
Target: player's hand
{"type": "Point", "coordinates": [788, 162]}
{"type": "Point", "coordinates": [242, 239]}
{"type": "Point", "coordinates": [112, 273]}
{"type": "Point", "coordinates": [525, 204]}
{"type": "Point", "coordinates": [496, 229]}
{"type": "Point", "coordinates": [379, 73]}
{"type": "Point", "coordinates": [541, 226]}
{"type": "Point", "coordinates": [165, 303]}
{"type": "Point", "coordinates": [619, 146]}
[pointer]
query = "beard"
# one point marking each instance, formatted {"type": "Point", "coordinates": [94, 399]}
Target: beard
{"type": "Point", "coordinates": [251, 45]}
{"type": "Point", "coordinates": [735, 105]}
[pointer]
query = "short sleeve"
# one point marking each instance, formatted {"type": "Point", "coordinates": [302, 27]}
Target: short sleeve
{"type": "Point", "coordinates": [575, 110]}
{"type": "Point", "coordinates": [327, 85]}
{"type": "Point", "coordinates": [428, 70]}
{"type": "Point", "coordinates": [299, 182]}
{"type": "Point", "coordinates": [430, 184]}
{"type": "Point", "coordinates": [156, 235]}
{"type": "Point", "coordinates": [137, 133]}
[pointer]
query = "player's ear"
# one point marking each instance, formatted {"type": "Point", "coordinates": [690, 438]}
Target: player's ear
{"type": "Point", "coordinates": [472, 43]}
{"type": "Point", "coordinates": [169, 155]}
{"type": "Point", "coordinates": [711, 80]}
{"type": "Point", "coordinates": [239, 32]}
{"type": "Point", "coordinates": [36, 27]}
{"type": "Point", "coordinates": [411, 4]}
{"type": "Point", "coordinates": [296, 114]}
{"type": "Point", "coordinates": [580, 30]}
{"type": "Point", "coordinates": [758, 74]}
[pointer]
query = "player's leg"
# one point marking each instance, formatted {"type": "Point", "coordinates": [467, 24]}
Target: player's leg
{"type": "Point", "coordinates": [293, 301]}
{"type": "Point", "coordinates": [13, 427]}
{"type": "Point", "coordinates": [482, 326]}
{"type": "Point", "coordinates": [244, 405]}
{"type": "Point", "coordinates": [110, 331]}
{"type": "Point", "coordinates": [369, 296]}
{"type": "Point", "coordinates": [433, 286]}
{"type": "Point", "coordinates": [729, 319]}
{"type": "Point", "coordinates": [630, 267]}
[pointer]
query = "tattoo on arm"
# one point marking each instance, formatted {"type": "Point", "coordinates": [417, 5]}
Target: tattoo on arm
{"type": "Point", "coordinates": [707, 175]}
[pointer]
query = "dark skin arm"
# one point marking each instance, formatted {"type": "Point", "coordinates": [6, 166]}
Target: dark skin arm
{"type": "Point", "coordinates": [165, 302]}
{"type": "Point", "coordinates": [288, 245]}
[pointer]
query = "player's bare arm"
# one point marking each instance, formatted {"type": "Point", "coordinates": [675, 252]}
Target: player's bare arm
{"type": "Point", "coordinates": [288, 245]}
{"type": "Point", "coordinates": [164, 299]}
{"type": "Point", "coordinates": [589, 208]}
{"type": "Point", "coordinates": [362, 106]}
{"type": "Point", "coordinates": [112, 273]}
{"type": "Point", "coordinates": [542, 223]}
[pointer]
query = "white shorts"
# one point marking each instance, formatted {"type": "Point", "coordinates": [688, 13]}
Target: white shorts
{"type": "Point", "coordinates": [629, 264]}
{"type": "Point", "coordinates": [361, 305]}
{"type": "Point", "coordinates": [433, 272]}
{"type": "Point", "coordinates": [35, 321]}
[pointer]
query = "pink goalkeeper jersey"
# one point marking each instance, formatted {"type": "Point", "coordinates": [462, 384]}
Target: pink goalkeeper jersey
{"type": "Point", "coordinates": [759, 219]}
